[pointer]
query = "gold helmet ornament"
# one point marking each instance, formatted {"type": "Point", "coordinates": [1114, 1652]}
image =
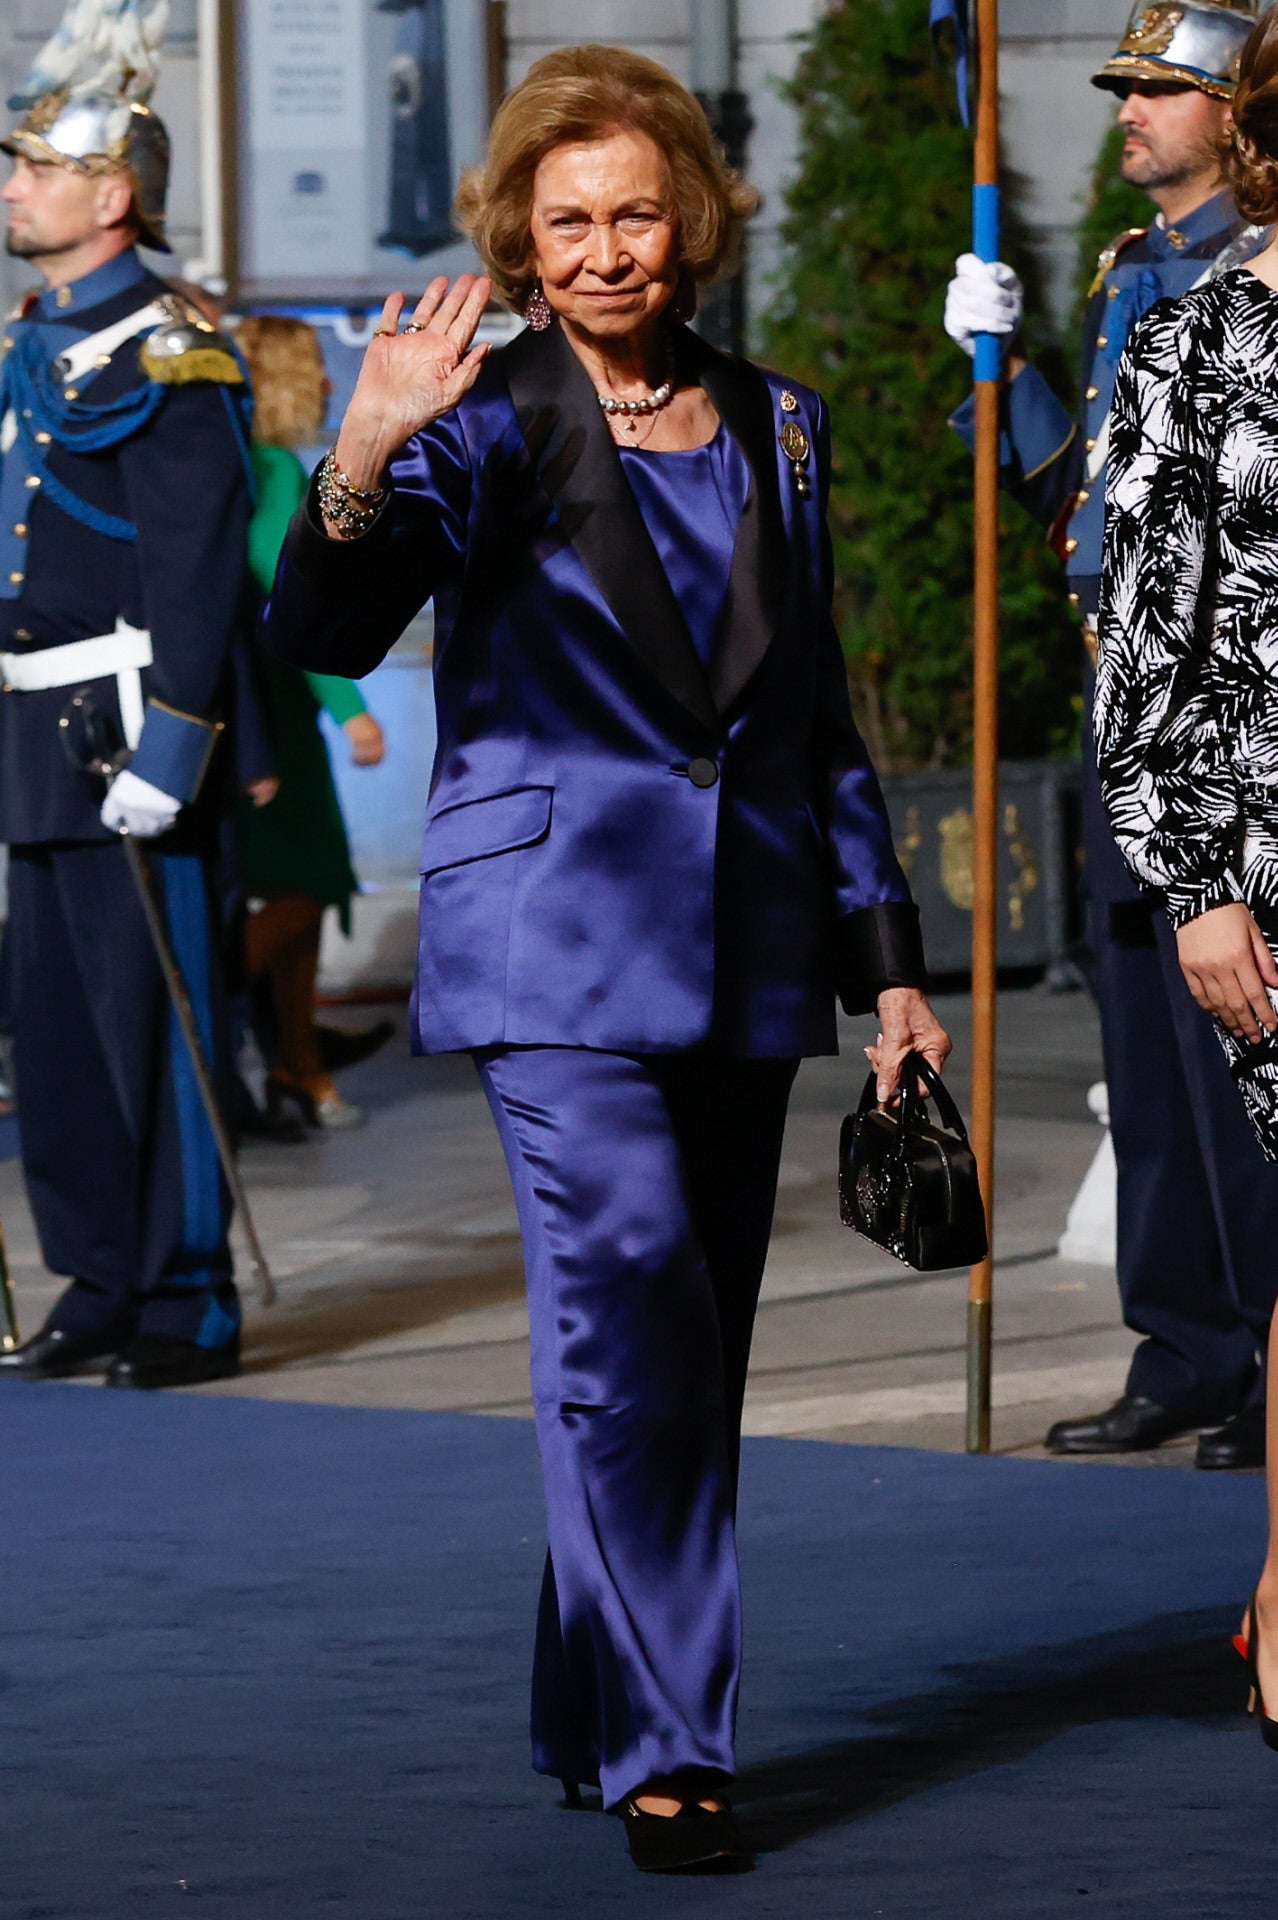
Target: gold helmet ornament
{"type": "Point", "coordinates": [1193, 42]}
{"type": "Point", "coordinates": [85, 102]}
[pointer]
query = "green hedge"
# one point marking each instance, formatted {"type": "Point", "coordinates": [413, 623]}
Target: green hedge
{"type": "Point", "coordinates": [877, 211]}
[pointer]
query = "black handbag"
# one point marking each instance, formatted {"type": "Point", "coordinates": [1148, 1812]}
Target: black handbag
{"type": "Point", "coordinates": [907, 1184]}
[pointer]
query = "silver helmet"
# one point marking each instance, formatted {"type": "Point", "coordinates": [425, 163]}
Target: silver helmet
{"type": "Point", "coordinates": [1196, 42]}
{"type": "Point", "coordinates": [85, 102]}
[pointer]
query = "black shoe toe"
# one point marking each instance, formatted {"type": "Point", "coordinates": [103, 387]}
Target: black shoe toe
{"type": "Point", "coordinates": [53, 1355]}
{"type": "Point", "coordinates": [692, 1839]}
{"type": "Point", "coordinates": [1131, 1425]}
{"type": "Point", "coordinates": [1240, 1443]}
{"type": "Point", "coordinates": [152, 1361]}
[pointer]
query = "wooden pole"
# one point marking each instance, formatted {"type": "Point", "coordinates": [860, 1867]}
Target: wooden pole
{"type": "Point", "coordinates": [988, 367]}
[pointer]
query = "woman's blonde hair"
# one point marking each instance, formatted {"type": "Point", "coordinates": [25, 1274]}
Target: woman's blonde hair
{"type": "Point", "coordinates": [286, 365]}
{"type": "Point", "coordinates": [1251, 142]}
{"type": "Point", "coordinates": [581, 94]}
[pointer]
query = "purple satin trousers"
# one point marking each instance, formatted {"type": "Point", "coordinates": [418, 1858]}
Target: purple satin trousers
{"type": "Point", "coordinates": [645, 1187]}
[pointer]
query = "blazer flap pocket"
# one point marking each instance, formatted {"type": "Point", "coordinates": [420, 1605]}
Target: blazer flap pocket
{"type": "Point", "coordinates": [479, 828]}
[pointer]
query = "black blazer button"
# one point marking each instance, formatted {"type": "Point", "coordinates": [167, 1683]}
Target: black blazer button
{"type": "Point", "coordinates": [703, 773]}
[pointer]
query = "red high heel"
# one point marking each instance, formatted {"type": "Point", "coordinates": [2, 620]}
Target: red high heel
{"type": "Point", "coordinates": [1256, 1703]}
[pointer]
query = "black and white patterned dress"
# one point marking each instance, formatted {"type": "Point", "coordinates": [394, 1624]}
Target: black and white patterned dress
{"type": "Point", "coordinates": [1187, 682]}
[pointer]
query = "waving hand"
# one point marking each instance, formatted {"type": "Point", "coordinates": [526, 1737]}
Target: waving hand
{"type": "Point", "coordinates": [409, 379]}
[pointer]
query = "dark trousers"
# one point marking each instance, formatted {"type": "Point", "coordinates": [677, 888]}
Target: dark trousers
{"type": "Point", "coordinates": [645, 1188]}
{"type": "Point", "coordinates": [120, 1163]}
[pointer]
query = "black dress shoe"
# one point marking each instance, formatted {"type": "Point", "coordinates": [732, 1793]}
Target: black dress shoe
{"type": "Point", "coordinates": [341, 1049]}
{"type": "Point", "coordinates": [52, 1355]}
{"type": "Point", "coordinates": [151, 1360]}
{"type": "Point", "coordinates": [1239, 1443]}
{"type": "Point", "coordinates": [1131, 1425]}
{"type": "Point", "coordinates": [694, 1837]}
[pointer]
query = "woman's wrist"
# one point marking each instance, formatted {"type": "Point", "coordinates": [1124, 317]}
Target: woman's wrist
{"type": "Point", "coordinates": [348, 510]}
{"type": "Point", "coordinates": [362, 457]}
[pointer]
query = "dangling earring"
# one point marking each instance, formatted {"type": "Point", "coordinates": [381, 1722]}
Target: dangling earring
{"type": "Point", "coordinates": [683, 307]}
{"type": "Point", "coordinates": [537, 309]}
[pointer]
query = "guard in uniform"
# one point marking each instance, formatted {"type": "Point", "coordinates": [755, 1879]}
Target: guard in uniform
{"type": "Point", "coordinates": [124, 505]}
{"type": "Point", "coordinates": [1197, 1204]}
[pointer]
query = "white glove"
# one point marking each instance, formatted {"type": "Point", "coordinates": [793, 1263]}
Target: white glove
{"type": "Point", "coordinates": [135, 806]}
{"type": "Point", "coordinates": [983, 297]}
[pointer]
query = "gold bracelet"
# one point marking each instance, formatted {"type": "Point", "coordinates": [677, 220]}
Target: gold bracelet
{"type": "Point", "coordinates": [350, 516]}
{"type": "Point", "coordinates": [334, 473]}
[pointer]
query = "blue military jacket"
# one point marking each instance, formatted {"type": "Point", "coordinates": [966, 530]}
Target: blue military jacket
{"type": "Point", "coordinates": [1055, 465]}
{"type": "Point", "coordinates": [124, 496]}
{"type": "Point", "coordinates": [624, 849]}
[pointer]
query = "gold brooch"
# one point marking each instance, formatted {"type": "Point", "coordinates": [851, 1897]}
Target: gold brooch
{"type": "Point", "coordinates": [789, 403]}
{"type": "Point", "coordinates": [796, 448]}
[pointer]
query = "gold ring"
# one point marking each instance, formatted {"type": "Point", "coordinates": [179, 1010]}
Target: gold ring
{"type": "Point", "coordinates": [415, 326]}
{"type": "Point", "coordinates": [387, 333]}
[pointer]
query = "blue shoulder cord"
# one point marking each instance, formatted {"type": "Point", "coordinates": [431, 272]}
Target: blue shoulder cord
{"type": "Point", "coordinates": [30, 388]}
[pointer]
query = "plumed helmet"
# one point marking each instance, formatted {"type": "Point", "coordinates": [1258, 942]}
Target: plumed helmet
{"type": "Point", "coordinates": [1196, 42]}
{"type": "Point", "coordinates": [86, 102]}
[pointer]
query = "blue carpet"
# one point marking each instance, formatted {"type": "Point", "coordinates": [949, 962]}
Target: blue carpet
{"type": "Point", "coordinates": [266, 1661]}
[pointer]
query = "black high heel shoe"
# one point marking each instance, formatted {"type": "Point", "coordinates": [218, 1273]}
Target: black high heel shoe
{"type": "Point", "coordinates": [1256, 1703]}
{"type": "Point", "coordinates": [696, 1836]}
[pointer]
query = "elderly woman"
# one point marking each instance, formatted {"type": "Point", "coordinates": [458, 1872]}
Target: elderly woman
{"type": "Point", "coordinates": [654, 851]}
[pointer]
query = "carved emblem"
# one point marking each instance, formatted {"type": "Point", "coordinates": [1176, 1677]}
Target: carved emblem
{"type": "Point", "coordinates": [956, 858]}
{"type": "Point", "coordinates": [1025, 860]}
{"type": "Point", "coordinates": [796, 447]}
{"type": "Point", "coordinates": [794, 442]}
{"type": "Point", "coordinates": [1154, 31]}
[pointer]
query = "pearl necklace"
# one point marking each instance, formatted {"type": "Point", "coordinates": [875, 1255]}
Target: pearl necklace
{"type": "Point", "coordinates": [651, 403]}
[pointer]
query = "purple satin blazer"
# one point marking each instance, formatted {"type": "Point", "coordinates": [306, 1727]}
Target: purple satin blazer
{"type": "Point", "coordinates": [624, 849]}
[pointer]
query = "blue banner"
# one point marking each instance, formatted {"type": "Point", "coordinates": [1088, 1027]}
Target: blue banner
{"type": "Point", "coordinates": [954, 15]}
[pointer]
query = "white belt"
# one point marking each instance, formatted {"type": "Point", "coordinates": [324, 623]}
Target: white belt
{"type": "Point", "coordinates": [123, 653]}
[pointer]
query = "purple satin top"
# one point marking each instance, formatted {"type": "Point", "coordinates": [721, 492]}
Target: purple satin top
{"type": "Point", "coordinates": [691, 504]}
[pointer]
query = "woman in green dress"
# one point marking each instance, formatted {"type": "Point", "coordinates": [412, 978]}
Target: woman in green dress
{"type": "Point", "coordinates": [295, 852]}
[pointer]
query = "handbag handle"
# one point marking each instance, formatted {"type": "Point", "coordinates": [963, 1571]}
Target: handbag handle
{"type": "Point", "coordinates": [913, 1069]}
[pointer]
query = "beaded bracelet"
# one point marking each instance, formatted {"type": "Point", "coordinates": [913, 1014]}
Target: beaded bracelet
{"type": "Point", "coordinates": [340, 502]}
{"type": "Point", "coordinates": [347, 484]}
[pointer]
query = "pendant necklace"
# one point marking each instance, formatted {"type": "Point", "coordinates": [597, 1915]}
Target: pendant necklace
{"type": "Point", "coordinates": [626, 413]}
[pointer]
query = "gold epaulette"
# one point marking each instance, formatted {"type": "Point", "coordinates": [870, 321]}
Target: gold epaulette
{"type": "Point", "coordinates": [1109, 254]}
{"type": "Point", "coordinates": [186, 347]}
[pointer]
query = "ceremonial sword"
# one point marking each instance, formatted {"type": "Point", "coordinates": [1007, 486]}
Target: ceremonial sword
{"type": "Point", "coordinates": [92, 753]}
{"type": "Point", "coordinates": [9, 1339]}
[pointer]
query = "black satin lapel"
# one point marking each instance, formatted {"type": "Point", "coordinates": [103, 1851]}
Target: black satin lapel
{"type": "Point", "coordinates": [576, 460]}
{"type": "Point", "coordinates": [757, 582]}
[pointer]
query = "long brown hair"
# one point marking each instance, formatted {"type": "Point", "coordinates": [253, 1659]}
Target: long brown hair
{"type": "Point", "coordinates": [1251, 149]}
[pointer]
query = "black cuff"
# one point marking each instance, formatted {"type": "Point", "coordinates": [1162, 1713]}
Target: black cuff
{"type": "Point", "coordinates": [874, 948]}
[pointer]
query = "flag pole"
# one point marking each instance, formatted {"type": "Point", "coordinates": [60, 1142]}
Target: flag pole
{"type": "Point", "coordinates": [988, 367]}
